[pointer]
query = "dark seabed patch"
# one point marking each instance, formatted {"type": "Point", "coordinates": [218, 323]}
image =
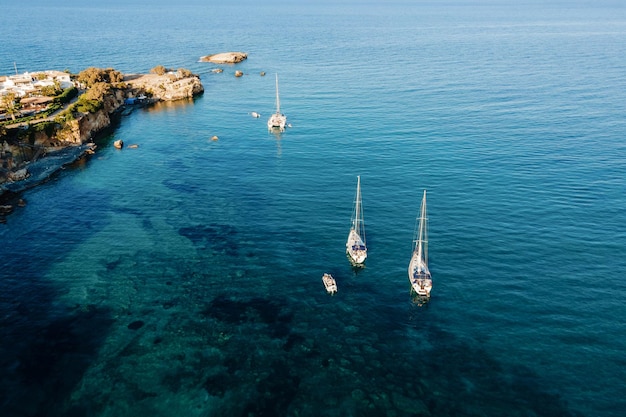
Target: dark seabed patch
{"type": "Point", "coordinates": [137, 324]}
{"type": "Point", "coordinates": [216, 237]}
{"type": "Point", "coordinates": [274, 393]}
{"type": "Point", "coordinates": [50, 363]}
{"type": "Point", "coordinates": [474, 382]}
{"type": "Point", "coordinates": [180, 186]}
{"type": "Point", "coordinates": [272, 312]}
{"type": "Point", "coordinates": [111, 265]}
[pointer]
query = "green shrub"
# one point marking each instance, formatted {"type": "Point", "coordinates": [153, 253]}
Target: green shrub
{"type": "Point", "coordinates": [67, 95]}
{"type": "Point", "coordinates": [85, 105]}
{"type": "Point", "coordinates": [48, 127]}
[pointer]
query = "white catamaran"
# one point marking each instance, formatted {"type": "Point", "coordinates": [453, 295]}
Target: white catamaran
{"type": "Point", "coordinates": [419, 275]}
{"type": "Point", "coordinates": [355, 246]}
{"type": "Point", "coordinates": [277, 120]}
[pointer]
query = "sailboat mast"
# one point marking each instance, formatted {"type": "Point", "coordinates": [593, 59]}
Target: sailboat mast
{"type": "Point", "coordinates": [425, 232]}
{"type": "Point", "coordinates": [277, 99]}
{"type": "Point", "coordinates": [357, 208]}
{"type": "Point", "coordinates": [422, 239]}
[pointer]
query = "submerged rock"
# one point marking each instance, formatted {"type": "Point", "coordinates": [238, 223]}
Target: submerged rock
{"type": "Point", "coordinates": [138, 324]}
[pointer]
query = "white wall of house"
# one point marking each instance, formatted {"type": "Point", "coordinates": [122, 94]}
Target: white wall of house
{"type": "Point", "coordinates": [24, 84]}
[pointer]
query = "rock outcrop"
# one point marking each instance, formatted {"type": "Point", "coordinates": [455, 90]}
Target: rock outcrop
{"type": "Point", "coordinates": [167, 87]}
{"type": "Point", "coordinates": [225, 58]}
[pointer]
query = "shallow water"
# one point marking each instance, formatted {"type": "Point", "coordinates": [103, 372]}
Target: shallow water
{"type": "Point", "coordinates": [184, 276]}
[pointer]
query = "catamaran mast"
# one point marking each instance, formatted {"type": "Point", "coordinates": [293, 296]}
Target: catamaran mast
{"type": "Point", "coordinates": [277, 99]}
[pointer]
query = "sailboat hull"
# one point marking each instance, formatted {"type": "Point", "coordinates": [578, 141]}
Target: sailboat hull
{"type": "Point", "coordinates": [419, 276]}
{"type": "Point", "coordinates": [355, 248]}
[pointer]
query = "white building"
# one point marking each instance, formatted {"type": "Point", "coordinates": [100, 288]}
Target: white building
{"type": "Point", "coordinates": [24, 84]}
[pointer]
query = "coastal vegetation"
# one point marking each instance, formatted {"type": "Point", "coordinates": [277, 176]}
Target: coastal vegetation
{"type": "Point", "coordinates": [92, 75]}
{"type": "Point", "coordinates": [179, 73]}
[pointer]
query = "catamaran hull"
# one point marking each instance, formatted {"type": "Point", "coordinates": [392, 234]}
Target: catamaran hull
{"type": "Point", "coordinates": [277, 121]}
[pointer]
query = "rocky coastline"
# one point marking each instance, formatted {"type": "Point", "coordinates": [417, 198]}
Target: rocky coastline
{"type": "Point", "coordinates": [31, 152]}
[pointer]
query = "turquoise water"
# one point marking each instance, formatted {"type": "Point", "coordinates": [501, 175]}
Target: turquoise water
{"type": "Point", "coordinates": [183, 277]}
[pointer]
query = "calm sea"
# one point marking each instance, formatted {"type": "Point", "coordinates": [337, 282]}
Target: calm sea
{"type": "Point", "coordinates": [183, 277]}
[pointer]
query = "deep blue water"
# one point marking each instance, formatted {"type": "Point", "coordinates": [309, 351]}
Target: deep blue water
{"type": "Point", "coordinates": [184, 277]}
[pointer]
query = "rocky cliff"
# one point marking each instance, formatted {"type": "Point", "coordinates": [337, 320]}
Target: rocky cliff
{"type": "Point", "coordinates": [86, 125]}
{"type": "Point", "coordinates": [81, 128]}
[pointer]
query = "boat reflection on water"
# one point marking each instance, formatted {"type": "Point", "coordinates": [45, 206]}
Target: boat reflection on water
{"type": "Point", "coordinates": [419, 300]}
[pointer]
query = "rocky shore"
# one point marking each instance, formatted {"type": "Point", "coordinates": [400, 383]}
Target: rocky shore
{"type": "Point", "coordinates": [31, 153]}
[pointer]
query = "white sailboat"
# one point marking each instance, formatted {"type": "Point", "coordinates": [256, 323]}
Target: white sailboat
{"type": "Point", "coordinates": [419, 275]}
{"type": "Point", "coordinates": [355, 246]}
{"type": "Point", "coordinates": [277, 120]}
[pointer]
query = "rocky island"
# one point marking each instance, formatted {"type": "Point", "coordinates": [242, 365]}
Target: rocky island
{"type": "Point", "coordinates": [34, 147]}
{"type": "Point", "coordinates": [225, 58]}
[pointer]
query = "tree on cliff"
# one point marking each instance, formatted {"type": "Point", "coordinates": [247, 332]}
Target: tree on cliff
{"type": "Point", "coordinates": [52, 90]}
{"type": "Point", "coordinates": [93, 75]}
{"type": "Point", "coordinates": [11, 105]}
{"type": "Point", "coordinates": [93, 99]}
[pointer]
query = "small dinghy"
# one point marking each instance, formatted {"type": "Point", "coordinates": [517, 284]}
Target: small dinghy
{"type": "Point", "coordinates": [329, 283]}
